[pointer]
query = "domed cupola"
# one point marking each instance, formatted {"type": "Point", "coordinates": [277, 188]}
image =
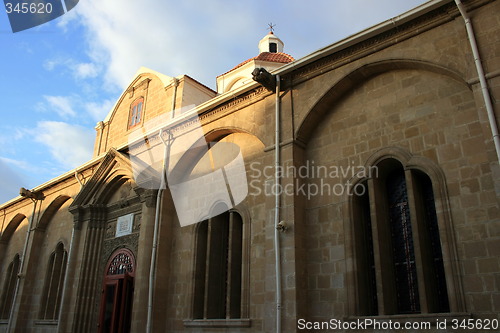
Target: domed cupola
{"type": "Point", "coordinates": [270, 57]}
{"type": "Point", "coordinates": [271, 43]}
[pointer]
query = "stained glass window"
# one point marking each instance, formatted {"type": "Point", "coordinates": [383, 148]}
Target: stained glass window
{"type": "Point", "coordinates": [402, 255]}
{"type": "Point", "coordinates": [122, 263]}
{"type": "Point", "coordinates": [403, 251]}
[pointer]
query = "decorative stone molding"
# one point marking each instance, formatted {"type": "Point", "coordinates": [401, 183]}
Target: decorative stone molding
{"type": "Point", "coordinates": [143, 85]}
{"type": "Point", "coordinates": [147, 196]}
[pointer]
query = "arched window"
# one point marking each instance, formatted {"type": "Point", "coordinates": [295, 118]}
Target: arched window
{"type": "Point", "coordinates": [9, 287]}
{"type": "Point", "coordinates": [218, 268]}
{"type": "Point", "coordinates": [136, 112]}
{"type": "Point", "coordinates": [54, 280]}
{"type": "Point", "coordinates": [399, 260]}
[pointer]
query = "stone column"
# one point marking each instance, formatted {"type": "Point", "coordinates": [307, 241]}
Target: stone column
{"type": "Point", "coordinates": [89, 281]}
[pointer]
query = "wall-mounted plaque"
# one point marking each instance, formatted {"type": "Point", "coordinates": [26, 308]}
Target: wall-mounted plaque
{"type": "Point", "coordinates": [124, 225]}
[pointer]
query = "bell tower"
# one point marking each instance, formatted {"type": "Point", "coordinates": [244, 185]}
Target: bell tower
{"type": "Point", "coordinates": [271, 43]}
{"type": "Point", "coordinates": [270, 57]}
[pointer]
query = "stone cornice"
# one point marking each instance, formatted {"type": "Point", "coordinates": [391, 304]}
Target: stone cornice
{"type": "Point", "coordinates": [439, 16]}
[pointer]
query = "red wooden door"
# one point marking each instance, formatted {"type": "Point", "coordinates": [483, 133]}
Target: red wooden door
{"type": "Point", "coordinates": [117, 294]}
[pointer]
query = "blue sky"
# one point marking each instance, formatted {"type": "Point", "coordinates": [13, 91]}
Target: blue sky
{"type": "Point", "coordinates": [59, 79]}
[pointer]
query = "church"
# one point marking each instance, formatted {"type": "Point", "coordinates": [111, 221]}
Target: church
{"type": "Point", "coordinates": [356, 188]}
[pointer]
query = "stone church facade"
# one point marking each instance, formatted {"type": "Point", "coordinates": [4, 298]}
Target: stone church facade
{"type": "Point", "coordinates": [385, 205]}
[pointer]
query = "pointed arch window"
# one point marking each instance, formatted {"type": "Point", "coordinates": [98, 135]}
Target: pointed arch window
{"type": "Point", "coordinates": [53, 286]}
{"type": "Point", "coordinates": [9, 287]}
{"type": "Point", "coordinates": [397, 245]}
{"type": "Point", "coordinates": [136, 112]}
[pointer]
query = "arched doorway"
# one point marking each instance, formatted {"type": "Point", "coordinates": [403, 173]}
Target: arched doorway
{"type": "Point", "coordinates": [117, 293]}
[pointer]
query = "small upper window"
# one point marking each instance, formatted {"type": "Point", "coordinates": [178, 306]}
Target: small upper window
{"type": "Point", "coordinates": [273, 47]}
{"type": "Point", "coordinates": [136, 112]}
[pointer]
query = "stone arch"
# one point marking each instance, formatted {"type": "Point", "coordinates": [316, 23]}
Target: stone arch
{"type": "Point", "coordinates": [410, 161]}
{"type": "Point", "coordinates": [51, 210]}
{"type": "Point", "coordinates": [112, 183]}
{"type": "Point", "coordinates": [187, 162]}
{"type": "Point", "coordinates": [11, 227]}
{"type": "Point", "coordinates": [114, 170]}
{"type": "Point", "coordinates": [115, 254]}
{"type": "Point", "coordinates": [234, 82]}
{"type": "Point", "coordinates": [357, 77]}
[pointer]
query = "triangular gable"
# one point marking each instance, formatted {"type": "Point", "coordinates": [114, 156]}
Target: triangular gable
{"type": "Point", "coordinates": [113, 167]}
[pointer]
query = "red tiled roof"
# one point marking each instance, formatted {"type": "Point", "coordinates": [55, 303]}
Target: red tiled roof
{"type": "Point", "coordinates": [266, 56]}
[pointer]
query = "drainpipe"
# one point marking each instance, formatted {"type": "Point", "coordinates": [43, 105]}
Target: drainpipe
{"type": "Point", "coordinates": [152, 271]}
{"type": "Point", "coordinates": [35, 197]}
{"type": "Point", "coordinates": [277, 209]}
{"type": "Point", "coordinates": [78, 179]}
{"type": "Point", "coordinates": [482, 78]}
{"type": "Point", "coordinates": [163, 185]}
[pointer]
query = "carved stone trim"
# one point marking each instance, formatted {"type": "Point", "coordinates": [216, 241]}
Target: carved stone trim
{"type": "Point", "coordinates": [374, 44]}
{"type": "Point", "coordinates": [148, 196]}
{"type": "Point", "coordinates": [144, 84]}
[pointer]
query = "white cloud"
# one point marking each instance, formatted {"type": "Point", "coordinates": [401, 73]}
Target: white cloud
{"type": "Point", "coordinates": [206, 38]}
{"type": "Point", "coordinates": [85, 70]}
{"type": "Point", "coordinates": [9, 135]}
{"type": "Point", "coordinates": [99, 111]}
{"type": "Point", "coordinates": [17, 163]}
{"type": "Point", "coordinates": [70, 145]}
{"type": "Point", "coordinates": [75, 107]}
{"type": "Point", "coordinates": [67, 18]}
{"type": "Point", "coordinates": [170, 37]}
{"type": "Point", "coordinates": [79, 70]}
{"type": "Point", "coordinates": [49, 65]}
{"type": "Point", "coordinates": [60, 105]}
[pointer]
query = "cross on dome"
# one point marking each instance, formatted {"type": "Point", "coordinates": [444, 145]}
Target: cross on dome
{"type": "Point", "coordinates": [271, 43]}
{"type": "Point", "coordinates": [271, 27]}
